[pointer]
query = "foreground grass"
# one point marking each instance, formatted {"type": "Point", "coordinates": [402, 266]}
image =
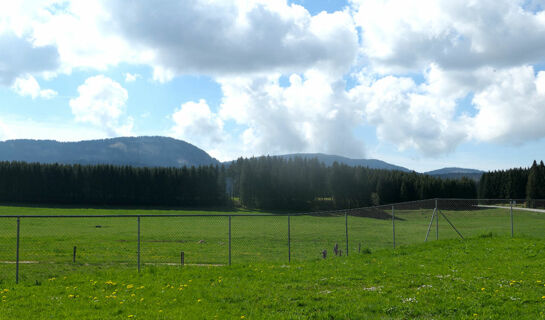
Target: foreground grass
{"type": "Point", "coordinates": [484, 277]}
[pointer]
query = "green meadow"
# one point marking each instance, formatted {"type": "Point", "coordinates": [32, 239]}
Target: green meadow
{"type": "Point", "coordinates": [47, 244]}
{"type": "Point", "coordinates": [483, 277]}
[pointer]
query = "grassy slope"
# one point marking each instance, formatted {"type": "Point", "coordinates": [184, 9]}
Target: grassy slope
{"type": "Point", "coordinates": [493, 278]}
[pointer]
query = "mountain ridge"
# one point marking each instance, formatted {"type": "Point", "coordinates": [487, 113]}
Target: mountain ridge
{"type": "Point", "coordinates": [146, 151]}
{"type": "Point", "coordinates": [159, 151]}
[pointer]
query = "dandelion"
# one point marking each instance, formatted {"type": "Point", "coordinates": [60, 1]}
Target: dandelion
{"type": "Point", "coordinates": [141, 287]}
{"type": "Point", "coordinates": [52, 279]}
{"type": "Point", "coordinates": [70, 296]}
{"type": "Point", "coordinates": [482, 289]}
{"type": "Point", "coordinates": [141, 299]}
{"type": "Point", "coordinates": [130, 286]}
{"type": "Point", "coordinates": [130, 316]}
{"type": "Point", "coordinates": [242, 317]}
{"type": "Point", "coordinates": [199, 300]}
{"type": "Point", "coordinates": [543, 297]}
{"type": "Point", "coordinates": [132, 295]}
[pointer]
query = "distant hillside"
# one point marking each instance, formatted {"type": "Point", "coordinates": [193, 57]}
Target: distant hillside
{"type": "Point", "coordinates": [133, 151]}
{"type": "Point", "coordinates": [328, 160]}
{"type": "Point", "coordinates": [456, 173]}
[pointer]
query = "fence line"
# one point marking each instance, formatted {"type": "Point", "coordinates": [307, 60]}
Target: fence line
{"type": "Point", "coordinates": [403, 212]}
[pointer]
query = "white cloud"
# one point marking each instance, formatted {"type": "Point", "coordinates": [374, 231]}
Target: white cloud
{"type": "Point", "coordinates": [132, 77]}
{"type": "Point", "coordinates": [28, 86]}
{"type": "Point", "coordinates": [312, 114]}
{"type": "Point", "coordinates": [196, 124]}
{"type": "Point", "coordinates": [410, 115]}
{"type": "Point", "coordinates": [233, 37]}
{"type": "Point", "coordinates": [512, 108]}
{"type": "Point", "coordinates": [464, 34]}
{"type": "Point", "coordinates": [101, 102]}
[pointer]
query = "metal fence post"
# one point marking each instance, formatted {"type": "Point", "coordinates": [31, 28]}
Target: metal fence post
{"type": "Point", "coordinates": [138, 250]}
{"type": "Point", "coordinates": [346, 229]}
{"type": "Point", "coordinates": [229, 240]}
{"type": "Point", "coordinates": [289, 240]}
{"type": "Point", "coordinates": [394, 226]}
{"type": "Point", "coordinates": [17, 251]}
{"type": "Point", "coordinates": [436, 222]}
{"type": "Point", "coordinates": [511, 212]}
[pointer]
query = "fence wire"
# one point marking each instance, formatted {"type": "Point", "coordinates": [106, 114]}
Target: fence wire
{"type": "Point", "coordinates": [50, 246]}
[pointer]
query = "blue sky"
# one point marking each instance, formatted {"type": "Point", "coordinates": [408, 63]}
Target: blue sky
{"type": "Point", "coordinates": [421, 84]}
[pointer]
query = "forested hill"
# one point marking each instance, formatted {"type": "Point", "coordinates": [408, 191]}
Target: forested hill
{"type": "Point", "coordinates": [456, 173]}
{"type": "Point", "coordinates": [328, 160]}
{"type": "Point", "coordinates": [132, 151]}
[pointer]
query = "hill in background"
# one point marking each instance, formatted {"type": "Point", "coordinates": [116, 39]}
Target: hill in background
{"type": "Point", "coordinates": [167, 152]}
{"type": "Point", "coordinates": [456, 173]}
{"type": "Point", "coordinates": [328, 160]}
{"type": "Point", "coordinates": [132, 151]}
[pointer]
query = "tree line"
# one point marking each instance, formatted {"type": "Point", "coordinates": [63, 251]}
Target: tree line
{"type": "Point", "coordinates": [307, 184]}
{"type": "Point", "coordinates": [261, 183]}
{"type": "Point", "coordinates": [22, 182]}
{"type": "Point", "coordinates": [518, 183]}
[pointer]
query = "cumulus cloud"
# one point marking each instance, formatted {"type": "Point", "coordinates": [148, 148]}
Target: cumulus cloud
{"type": "Point", "coordinates": [28, 86]}
{"type": "Point", "coordinates": [312, 114]}
{"type": "Point", "coordinates": [19, 56]}
{"type": "Point", "coordinates": [465, 34]}
{"type": "Point", "coordinates": [410, 115]}
{"type": "Point", "coordinates": [512, 108]}
{"type": "Point", "coordinates": [102, 102]}
{"type": "Point", "coordinates": [195, 123]}
{"type": "Point", "coordinates": [228, 37]}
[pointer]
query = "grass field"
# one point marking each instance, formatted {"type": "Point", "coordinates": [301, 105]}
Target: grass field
{"type": "Point", "coordinates": [46, 244]}
{"type": "Point", "coordinates": [479, 278]}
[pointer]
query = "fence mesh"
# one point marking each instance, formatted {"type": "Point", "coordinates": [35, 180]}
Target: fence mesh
{"type": "Point", "coordinates": [51, 246]}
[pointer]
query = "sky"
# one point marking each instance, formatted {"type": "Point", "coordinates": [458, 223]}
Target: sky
{"type": "Point", "coordinates": [424, 84]}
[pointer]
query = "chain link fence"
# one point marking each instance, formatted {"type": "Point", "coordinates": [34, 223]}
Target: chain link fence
{"type": "Point", "coordinates": [35, 248]}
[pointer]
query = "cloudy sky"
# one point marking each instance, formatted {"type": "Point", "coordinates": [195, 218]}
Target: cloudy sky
{"type": "Point", "coordinates": [423, 84]}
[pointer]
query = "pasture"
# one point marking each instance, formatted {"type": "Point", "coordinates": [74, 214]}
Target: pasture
{"type": "Point", "coordinates": [479, 278]}
{"type": "Point", "coordinates": [46, 244]}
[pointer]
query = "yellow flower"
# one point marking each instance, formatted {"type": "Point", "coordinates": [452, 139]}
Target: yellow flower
{"type": "Point", "coordinates": [141, 299]}
{"type": "Point", "coordinates": [160, 310]}
{"type": "Point", "coordinates": [132, 295]}
{"type": "Point", "coordinates": [242, 317]}
{"type": "Point", "coordinates": [543, 297]}
{"type": "Point", "coordinates": [131, 316]}
{"type": "Point", "coordinates": [130, 286]}
{"type": "Point", "coordinates": [199, 300]}
{"type": "Point", "coordinates": [482, 289]}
